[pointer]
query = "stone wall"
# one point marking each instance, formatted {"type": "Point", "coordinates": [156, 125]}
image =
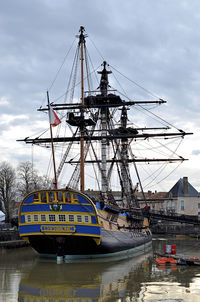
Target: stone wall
{"type": "Point", "coordinates": [9, 235]}
{"type": "Point", "coordinates": [178, 229]}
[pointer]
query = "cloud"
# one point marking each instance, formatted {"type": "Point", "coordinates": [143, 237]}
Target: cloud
{"type": "Point", "coordinates": [196, 152]}
{"type": "Point", "coordinates": [155, 43]}
{"type": "Point", "coordinates": [4, 101]}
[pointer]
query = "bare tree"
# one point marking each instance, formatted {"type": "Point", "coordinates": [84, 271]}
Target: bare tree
{"type": "Point", "coordinates": [7, 190]}
{"type": "Point", "coordinates": [29, 180]}
{"type": "Point", "coordinates": [25, 178]}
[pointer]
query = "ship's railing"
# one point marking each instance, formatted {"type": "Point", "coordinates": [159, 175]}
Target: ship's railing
{"type": "Point", "coordinates": [50, 196]}
{"type": "Point", "coordinates": [171, 216]}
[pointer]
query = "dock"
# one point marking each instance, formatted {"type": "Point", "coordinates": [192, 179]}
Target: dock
{"type": "Point", "coordinates": [11, 244]}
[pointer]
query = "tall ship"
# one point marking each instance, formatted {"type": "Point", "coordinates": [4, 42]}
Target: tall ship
{"type": "Point", "coordinates": [69, 221]}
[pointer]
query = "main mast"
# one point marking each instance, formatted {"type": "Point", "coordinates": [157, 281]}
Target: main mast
{"type": "Point", "coordinates": [82, 169]}
{"type": "Point", "coordinates": [104, 118]}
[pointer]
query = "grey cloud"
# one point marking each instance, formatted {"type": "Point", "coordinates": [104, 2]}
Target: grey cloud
{"type": "Point", "coordinates": [155, 43]}
{"type": "Point", "coordinates": [195, 152]}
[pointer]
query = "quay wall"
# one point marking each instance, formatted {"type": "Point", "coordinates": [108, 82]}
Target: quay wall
{"type": "Point", "coordinates": [8, 235]}
{"type": "Point", "coordinates": [9, 239]}
{"type": "Point", "coordinates": [177, 229]}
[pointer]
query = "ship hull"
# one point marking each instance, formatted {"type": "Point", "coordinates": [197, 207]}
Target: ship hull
{"type": "Point", "coordinates": [75, 227]}
{"type": "Point", "coordinates": [113, 244]}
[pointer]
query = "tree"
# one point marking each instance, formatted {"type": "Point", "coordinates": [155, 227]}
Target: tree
{"type": "Point", "coordinates": [29, 180]}
{"type": "Point", "coordinates": [7, 190]}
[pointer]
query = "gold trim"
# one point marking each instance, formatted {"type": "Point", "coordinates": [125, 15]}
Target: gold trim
{"type": "Point", "coordinates": [67, 234]}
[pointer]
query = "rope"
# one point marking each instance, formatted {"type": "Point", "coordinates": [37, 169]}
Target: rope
{"type": "Point", "coordinates": [97, 49]}
{"type": "Point", "coordinates": [63, 62]}
{"type": "Point", "coordinates": [146, 90]}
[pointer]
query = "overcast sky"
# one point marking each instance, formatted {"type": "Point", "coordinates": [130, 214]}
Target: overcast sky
{"type": "Point", "coordinates": [154, 42]}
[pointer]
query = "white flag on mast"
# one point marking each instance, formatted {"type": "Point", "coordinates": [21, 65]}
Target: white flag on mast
{"type": "Point", "coordinates": [53, 118]}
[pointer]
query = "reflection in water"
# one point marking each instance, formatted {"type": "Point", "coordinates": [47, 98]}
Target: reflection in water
{"type": "Point", "coordinates": [13, 265]}
{"type": "Point", "coordinates": [26, 278]}
{"type": "Point", "coordinates": [48, 281]}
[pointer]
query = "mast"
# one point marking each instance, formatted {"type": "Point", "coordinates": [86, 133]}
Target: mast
{"type": "Point", "coordinates": [104, 118]}
{"type": "Point", "coordinates": [126, 190]}
{"type": "Point", "coordinates": [52, 146]}
{"type": "Point", "coordinates": [82, 169]}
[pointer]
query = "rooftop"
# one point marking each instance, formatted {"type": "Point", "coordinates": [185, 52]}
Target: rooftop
{"type": "Point", "coordinates": [183, 188]}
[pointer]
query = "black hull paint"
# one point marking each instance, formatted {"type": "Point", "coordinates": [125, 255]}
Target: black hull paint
{"type": "Point", "coordinates": [112, 242]}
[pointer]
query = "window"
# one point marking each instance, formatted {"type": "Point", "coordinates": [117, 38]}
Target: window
{"type": "Point", "coordinates": [51, 196]}
{"type": "Point", "coordinates": [43, 196]}
{"type": "Point", "coordinates": [182, 205]}
{"type": "Point", "coordinates": [68, 197]}
{"type": "Point", "coordinates": [36, 197]}
{"type": "Point", "coordinates": [198, 205]}
{"type": "Point", "coordinates": [52, 217]}
{"type": "Point", "coordinates": [173, 205]}
{"type": "Point", "coordinates": [43, 217]}
{"type": "Point", "coordinates": [79, 218]}
{"type": "Point", "coordinates": [35, 217]}
{"type": "Point", "coordinates": [28, 218]}
{"type": "Point", "coordinates": [71, 218]}
{"type": "Point", "coordinates": [62, 217]}
{"type": "Point", "coordinates": [75, 197]}
{"type": "Point", "coordinates": [86, 219]}
{"type": "Point", "coordinates": [60, 196]}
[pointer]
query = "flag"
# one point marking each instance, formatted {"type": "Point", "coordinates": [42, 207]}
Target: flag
{"type": "Point", "coordinates": [53, 118]}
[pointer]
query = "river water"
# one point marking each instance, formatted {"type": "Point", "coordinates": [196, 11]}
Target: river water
{"type": "Point", "coordinates": [25, 277]}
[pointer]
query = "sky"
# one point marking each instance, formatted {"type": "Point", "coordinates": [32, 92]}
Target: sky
{"type": "Point", "coordinates": [154, 42]}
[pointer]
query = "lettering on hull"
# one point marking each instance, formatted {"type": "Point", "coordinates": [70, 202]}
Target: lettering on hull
{"type": "Point", "coordinates": [58, 229]}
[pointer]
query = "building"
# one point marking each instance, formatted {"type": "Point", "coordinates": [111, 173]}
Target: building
{"type": "Point", "coordinates": [182, 198]}
{"type": "Point", "coordinates": [154, 199]}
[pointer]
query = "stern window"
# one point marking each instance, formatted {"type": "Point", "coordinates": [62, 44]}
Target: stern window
{"type": "Point", "coordinates": [79, 218]}
{"type": "Point", "coordinates": [51, 196]}
{"type": "Point", "coordinates": [43, 196]}
{"type": "Point", "coordinates": [75, 197]}
{"type": "Point", "coordinates": [60, 196]}
{"type": "Point", "coordinates": [86, 219]}
{"type": "Point", "coordinates": [36, 197]}
{"type": "Point", "coordinates": [43, 217]}
{"type": "Point", "coordinates": [35, 217]}
{"type": "Point", "coordinates": [68, 197]}
{"type": "Point", "coordinates": [62, 217]}
{"type": "Point", "coordinates": [28, 218]}
{"type": "Point", "coordinates": [71, 218]}
{"type": "Point", "coordinates": [52, 217]}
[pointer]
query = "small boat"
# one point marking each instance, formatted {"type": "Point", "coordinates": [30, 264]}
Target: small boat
{"type": "Point", "coordinates": [166, 261]}
{"type": "Point", "coordinates": [180, 259]}
{"type": "Point", "coordinates": [68, 221]}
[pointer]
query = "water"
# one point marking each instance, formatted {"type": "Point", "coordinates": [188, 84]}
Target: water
{"type": "Point", "coordinates": [26, 278]}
